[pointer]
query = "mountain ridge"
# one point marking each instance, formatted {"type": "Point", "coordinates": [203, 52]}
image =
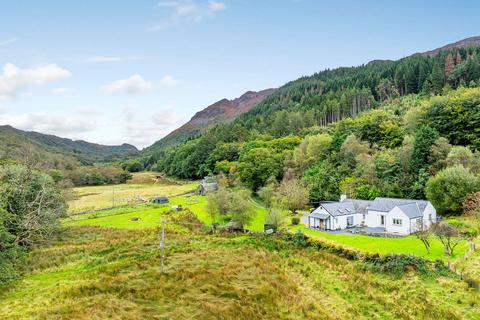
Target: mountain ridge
{"type": "Point", "coordinates": [76, 150]}
{"type": "Point", "coordinates": [224, 110]}
{"type": "Point", "coordinates": [466, 42]}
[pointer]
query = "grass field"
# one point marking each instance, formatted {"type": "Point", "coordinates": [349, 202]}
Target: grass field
{"type": "Point", "coordinates": [406, 245]}
{"type": "Point", "coordinates": [99, 197]}
{"type": "Point", "coordinates": [149, 215]}
{"type": "Point", "coordinates": [113, 273]}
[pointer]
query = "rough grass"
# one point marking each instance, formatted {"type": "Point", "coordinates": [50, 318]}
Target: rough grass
{"type": "Point", "coordinates": [100, 273]}
{"type": "Point", "coordinates": [99, 197]}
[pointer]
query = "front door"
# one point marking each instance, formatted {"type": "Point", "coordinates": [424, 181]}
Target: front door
{"type": "Point", "coordinates": [382, 220]}
{"type": "Point", "coordinates": [322, 224]}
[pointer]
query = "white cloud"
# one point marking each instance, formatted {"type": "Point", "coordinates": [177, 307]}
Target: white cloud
{"type": "Point", "coordinates": [7, 42]}
{"type": "Point", "coordinates": [61, 125]}
{"type": "Point", "coordinates": [133, 85]}
{"type": "Point", "coordinates": [216, 6]}
{"type": "Point", "coordinates": [189, 11]}
{"type": "Point", "coordinates": [168, 82]}
{"type": "Point", "coordinates": [136, 85]}
{"type": "Point", "coordinates": [143, 129]}
{"type": "Point", "coordinates": [61, 90]}
{"type": "Point", "coordinates": [14, 79]}
{"type": "Point", "coordinates": [112, 58]}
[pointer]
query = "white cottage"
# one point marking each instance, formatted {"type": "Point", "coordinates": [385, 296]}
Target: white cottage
{"type": "Point", "coordinates": [396, 216]}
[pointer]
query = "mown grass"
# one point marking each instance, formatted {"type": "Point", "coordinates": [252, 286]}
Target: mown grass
{"type": "Point", "coordinates": [99, 197]}
{"type": "Point", "coordinates": [99, 273]}
{"type": "Point", "coordinates": [405, 245]}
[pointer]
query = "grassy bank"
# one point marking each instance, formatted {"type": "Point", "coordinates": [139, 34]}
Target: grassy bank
{"type": "Point", "coordinates": [98, 273]}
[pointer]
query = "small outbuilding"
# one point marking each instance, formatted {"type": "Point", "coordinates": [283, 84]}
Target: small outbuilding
{"type": "Point", "coordinates": [205, 188]}
{"type": "Point", "coordinates": [160, 200]}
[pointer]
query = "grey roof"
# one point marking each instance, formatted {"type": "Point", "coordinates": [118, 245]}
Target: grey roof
{"type": "Point", "coordinates": [349, 206]}
{"type": "Point", "coordinates": [387, 204]}
{"type": "Point", "coordinates": [210, 186]}
{"type": "Point", "coordinates": [412, 210]}
{"type": "Point", "coordinates": [317, 214]}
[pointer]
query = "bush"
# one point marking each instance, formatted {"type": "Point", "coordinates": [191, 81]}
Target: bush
{"type": "Point", "coordinates": [472, 203]}
{"type": "Point", "coordinates": [299, 239]}
{"type": "Point", "coordinates": [396, 264]}
{"type": "Point", "coordinates": [132, 166]}
{"type": "Point", "coordinates": [295, 221]}
{"type": "Point", "coordinates": [30, 207]}
{"type": "Point", "coordinates": [449, 188]}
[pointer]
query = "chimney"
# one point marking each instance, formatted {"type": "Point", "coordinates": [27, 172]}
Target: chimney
{"type": "Point", "coordinates": [343, 197]}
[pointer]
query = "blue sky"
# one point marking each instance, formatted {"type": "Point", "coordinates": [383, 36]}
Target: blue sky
{"type": "Point", "coordinates": [132, 71]}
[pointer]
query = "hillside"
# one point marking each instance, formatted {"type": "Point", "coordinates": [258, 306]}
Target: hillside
{"type": "Point", "coordinates": [472, 41]}
{"type": "Point", "coordinates": [220, 112]}
{"type": "Point", "coordinates": [53, 151]}
{"type": "Point", "coordinates": [112, 272]}
{"type": "Point", "coordinates": [382, 129]}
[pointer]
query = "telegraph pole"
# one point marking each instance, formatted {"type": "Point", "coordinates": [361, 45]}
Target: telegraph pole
{"type": "Point", "coordinates": [113, 196]}
{"type": "Point", "coordinates": [162, 247]}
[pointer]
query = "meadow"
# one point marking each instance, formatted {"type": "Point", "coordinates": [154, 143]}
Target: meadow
{"type": "Point", "coordinates": [93, 272]}
{"type": "Point", "coordinates": [143, 187]}
{"type": "Point", "coordinates": [106, 265]}
{"type": "Point", "coordinates": [147, 216]}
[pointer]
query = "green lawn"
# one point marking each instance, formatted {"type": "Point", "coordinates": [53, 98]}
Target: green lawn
{"type": "Point", "coordinates": [149, 215]}
{"type": "Point", "coordinates": [406, 245]}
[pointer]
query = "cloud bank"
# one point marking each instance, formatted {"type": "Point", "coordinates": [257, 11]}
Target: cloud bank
{"type": "Point", "coordinates": [133, 85]}
{"type": "Point", "coordinates": [14, 79]}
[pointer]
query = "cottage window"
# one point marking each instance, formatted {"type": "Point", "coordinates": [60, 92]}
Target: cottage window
{"type": "Point", "coordinates": [430, 217]}
{"type": "Point", "coordinates": [397, 222]}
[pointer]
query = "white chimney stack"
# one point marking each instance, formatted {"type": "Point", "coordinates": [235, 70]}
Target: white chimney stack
{"type": "Point", "coordinates": [343, 197]}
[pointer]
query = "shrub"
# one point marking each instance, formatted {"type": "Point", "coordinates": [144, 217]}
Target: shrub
{"type": "Point", "coordinates": [449, 188]}
{"type": "Point", "coordinates": [472, 203]}
{"type": "Point", "coordinates": [397, 264]}
{"type": "Point", "coordinates": [30, 207]}
{"type": "Point", "coordinates": [299, 239]}
{"type": "Point", "coordinates": [295, 221]}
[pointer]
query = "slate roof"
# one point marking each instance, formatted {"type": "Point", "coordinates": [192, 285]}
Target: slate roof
{"type": "Point", "coordinates": [210, 186]}
{"type": "Point", "coordinates": [346, 207]}
{"type": "Point", "coordinates": [412, 210]}
{"type": "Point", "coordinates": [318, 214]}
{"type": "Point", "coordinates": [387, 204]}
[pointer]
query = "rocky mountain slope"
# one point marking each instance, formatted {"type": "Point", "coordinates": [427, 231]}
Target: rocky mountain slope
{"type": "Point", "coordinates": [472, 41]}
{"type": "Point", "coordinates": [220, 112]}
